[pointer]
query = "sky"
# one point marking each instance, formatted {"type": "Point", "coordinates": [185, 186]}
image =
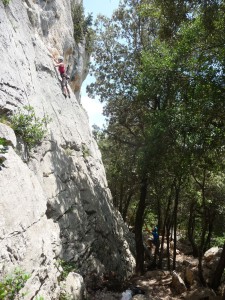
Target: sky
{"type": "Point", "coordinates": [93, 106]}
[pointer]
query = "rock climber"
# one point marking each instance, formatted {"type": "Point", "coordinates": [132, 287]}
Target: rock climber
{"type": "Point", "coordinates": [61, 68]}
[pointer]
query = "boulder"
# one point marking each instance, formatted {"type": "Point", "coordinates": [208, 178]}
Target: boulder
{"type": "Point", "coordinates": [73, 287]}
{"type": "Point", "coordinates": [139, 297]}
{"type": "Point", "coordinates": [189, 275]}
{"type": "Point", "coordinates": [211, 254]}
{"type": "Point", "coordinates": [201, 293]}
{"type": "Point", "coordinates": [210, 262]}
{"type": "Point", "coordinates": [178, 283]}
{"type": "Point", "coordinates": [156, 274]}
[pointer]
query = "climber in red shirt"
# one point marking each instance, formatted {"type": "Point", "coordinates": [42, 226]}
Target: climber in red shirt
{"type": "Point", "coordinates": [61, 68]}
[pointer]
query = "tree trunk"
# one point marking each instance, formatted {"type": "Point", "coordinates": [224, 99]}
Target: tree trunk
{"type": "Point", "coordinates": [138, 227]}
{"type": "Point", "coordinates": [200, 270]}
{"type": "Point", "coordinates": [219, 271]}
{"type": "Point", "coordinates": [168, 247]}
{"type": "Point", "coordinates": [161, 248]}
{"type": "Point", "coordinates": [204, 230]}
{"type": "Point", "coordinates": [177, 194]}
{"type": "Point", "coordinates": [121, 194]}
{"type": "Point", "coordinates": [166, 220]}
{"type": "Point", "coordinates": [211, 215]}
{"type": "Point", "coordinates": [125, 209]}
{"type": "Point", "coordinates": [191, 228]}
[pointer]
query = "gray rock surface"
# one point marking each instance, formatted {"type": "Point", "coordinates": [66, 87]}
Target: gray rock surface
{"type": "Point", "coordinates": [210, 261]}
{"type": "Point", "coordinates": [201, 293]}
{"type": "Point", "coordinates": [58, 204]}
{"type": "Point", "coordinates": [8, 134]}
{"type": "Point", "coordinates": [178, 283]}
{"type": "Point", "coordinates": [74, 286]}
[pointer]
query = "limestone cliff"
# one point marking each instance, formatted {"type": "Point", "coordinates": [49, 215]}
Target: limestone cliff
{"type": "Point", "coordinates": [57, 204]}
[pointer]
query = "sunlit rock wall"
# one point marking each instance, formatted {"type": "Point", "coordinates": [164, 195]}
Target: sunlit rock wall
{"type": "Point", "coordinates": [56, 204]}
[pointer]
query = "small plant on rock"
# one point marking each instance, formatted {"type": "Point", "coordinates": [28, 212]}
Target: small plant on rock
{"type": "Point", "coordinates": [3, 145]}
{"type": "Point", "coordinates": [65, 296]}
{"type": "Point", "coordinates": [3, 149]}
{"type": "Point", "coordinates": [67, 267]}
{"type": "Point", "coordinates": [68, 152]}
{"type": "Point", "coordinates": [29, 127]}
{"type": "Point", "coordinates": [5, 2]}
{"type": "Point", "coordinates": [12, 284]}
{"type": "Point", "coordinates": [85, 151]}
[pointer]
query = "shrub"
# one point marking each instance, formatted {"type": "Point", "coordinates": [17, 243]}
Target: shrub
{"type": "Point", "coordinates": [3, 149]}
{"type": "Point", "coordinates": [65, 296]}
{"type": "Point", "coordinates": [5, 2]}
{"type": "Point", "coordinates": [85, 151]}
{"type": "Point", "coordinates": [12, 284]}
{"type": "Point", "coordinates": [67, 268]}
{"type": "Point", "coordinates": [218, 241]}
{"type": "Point", "coordinates": [3, 145]}
{"type": "Point", "coordinates": [29, 127]}
{"type": "Point", "coordinates": [81, 23]}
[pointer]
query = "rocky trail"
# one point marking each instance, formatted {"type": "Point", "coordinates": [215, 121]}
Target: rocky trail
{"type": "Point", "coordinates": [163, 284]}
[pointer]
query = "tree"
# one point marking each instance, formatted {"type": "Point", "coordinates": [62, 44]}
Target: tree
{"type": "Point", "coordinates": [160, 71]}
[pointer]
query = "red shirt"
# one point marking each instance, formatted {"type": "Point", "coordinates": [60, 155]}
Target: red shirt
{"type": "Point", "coordinates": [62, 69]}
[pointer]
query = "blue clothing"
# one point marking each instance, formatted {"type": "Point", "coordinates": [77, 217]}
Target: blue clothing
{"type": "Point", "coordinates": [155, 236]}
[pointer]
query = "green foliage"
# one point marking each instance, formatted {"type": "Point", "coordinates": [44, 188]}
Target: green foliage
{"type": "Point", "coordinates": [81, 24]}
{"type": "Point", "coordinates": [28, 126]}
{"type": "Point", "coordinates": [85, 151]}
{"type": "Point", "coordinates": [3, 145]}
{"type": "Point", "coordinates": [69, 152]}
{"type": "Point", "coordinates": [3, 149]}
{"type": "Point", "coordinates": [4, 119]}
{"type": "Point", "coordinates": [5, 2]}
{"type": "Point", "coordinates": [65, 296]}
{"type": "Point", "coordinates": [218, 241]}
{"type": "Point", "coordinates": [67, 268]}
{"type": "Point", "coordinates": [159, 69]}
{"type": "Point", "coordinates": [89, 41]}
{"type": "Point", "coordinates": [150, 219]}
{"type": "Point", "coordinates": [12, 284]}
{"type": "Point", "coordinates": [39, 298]}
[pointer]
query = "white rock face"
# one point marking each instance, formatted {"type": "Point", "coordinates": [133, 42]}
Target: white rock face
{"type": "Point", "coordinates": [74, 286]}
{"type": "Point", "coordinates": [57, 205]}
{"type": "Point", "coordinates": [8, 134]}
{"type": "Point", "coordinates": [210, 261]}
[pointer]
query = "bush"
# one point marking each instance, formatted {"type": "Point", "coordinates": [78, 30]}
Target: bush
{"type": "Point", "coordinates": [29, 127]}
{"type": "Point", "coordinates": [218, 241]}
{"type": "Point", "coordinates": [3, 149]}
{"type": "Point", "coordinates": [67, 267]}
{"type": "Point", "coordinates": [12, 284]}
{"type": "Point", "coordinates": [5, 2]}
{"type": "Point", "coordinates": [85, 151]}
{"type": "Point", "coordinates": [81, 23]}
{"type": "Point", "coordinates": [3, 145]}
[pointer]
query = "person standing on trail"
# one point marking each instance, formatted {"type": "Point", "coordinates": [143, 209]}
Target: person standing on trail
{"type": "Point", "coordinates": [155, 235]}
{"type": "Point", "coordinates": [61, 68]}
